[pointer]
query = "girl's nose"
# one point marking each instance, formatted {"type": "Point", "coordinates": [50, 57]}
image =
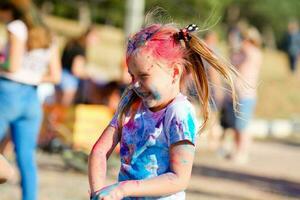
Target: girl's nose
{"type": "Point", "coordinates": [135, 84]}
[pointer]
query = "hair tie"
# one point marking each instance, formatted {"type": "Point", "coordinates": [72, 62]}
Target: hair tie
{"type": "Point", "coordinates": [183, 34]}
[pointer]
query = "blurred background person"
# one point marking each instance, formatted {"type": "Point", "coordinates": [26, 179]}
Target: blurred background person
{"type": "Point", "coordinates": [248, 67]}
{"type": "Point", "coordinates": [31, 59]}
{"type": "Point", "coordinates": [291, 44]}
{"type": "Point", "coordinates": [74, 62]}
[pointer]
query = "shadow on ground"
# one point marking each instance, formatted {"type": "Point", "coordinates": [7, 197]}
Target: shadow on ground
{"type": "Point", "coordinates": [274, 185]}
{"type": "Point", "coordinates": [291, 141]}
{"type": "Point", "coordinates": [215, 195]}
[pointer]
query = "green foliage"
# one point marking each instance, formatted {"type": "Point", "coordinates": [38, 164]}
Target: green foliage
{"type": "Point", "coordinates": [108, 12]}
{"type": "Point", "coordinates": [202, 12]}
{"type": "Point", "coordinates": [273, 14]}
{"type": "Point", "coordinates": [102, 11]}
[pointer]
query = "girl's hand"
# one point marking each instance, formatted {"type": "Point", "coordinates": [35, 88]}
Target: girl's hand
{"type": "Point", "coordinates": [112, 192]}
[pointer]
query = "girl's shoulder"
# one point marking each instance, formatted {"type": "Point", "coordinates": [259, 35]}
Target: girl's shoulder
{"type": "Point", "coordinates": [180, 99]}
{"type": "Point", "coordinates": [19, 29]}
{"type": "Point", "coordinates": [180, 105]}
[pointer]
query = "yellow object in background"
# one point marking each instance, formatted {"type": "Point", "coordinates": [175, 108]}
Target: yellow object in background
{"type": "Point", "coordinates": [90, 121]}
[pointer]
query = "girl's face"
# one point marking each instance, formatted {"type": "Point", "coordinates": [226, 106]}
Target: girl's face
{"type": "Point", "coordinates": [155, 83]}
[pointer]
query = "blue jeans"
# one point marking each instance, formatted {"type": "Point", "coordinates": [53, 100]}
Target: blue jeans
{"type": "Point", "coordinates": [20, 111]}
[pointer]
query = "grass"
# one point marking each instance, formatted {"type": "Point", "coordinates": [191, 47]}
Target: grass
{"type": "Point", "coordinates": [278, 92]}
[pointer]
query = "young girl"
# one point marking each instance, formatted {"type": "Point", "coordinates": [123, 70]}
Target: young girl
{"type": "Point", "coordinates": [155, 123]}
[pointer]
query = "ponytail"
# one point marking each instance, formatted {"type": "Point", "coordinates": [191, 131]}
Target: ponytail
{"type": "Point", "coordinates": [128, 99]}
{"type": "Point", "coordinates": [198, 51]}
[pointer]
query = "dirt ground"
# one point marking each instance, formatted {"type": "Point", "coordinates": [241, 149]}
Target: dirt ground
{"type": "Point", "coordinates": [272, 173]}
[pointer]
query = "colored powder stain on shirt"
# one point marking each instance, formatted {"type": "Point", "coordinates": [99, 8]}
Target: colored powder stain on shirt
{"type": "Point", "coordinates": [131, 124]}
{"type": "Point", "coordinates": [191, 123]}
{"type": "Point", "coordinates": [145, 145]}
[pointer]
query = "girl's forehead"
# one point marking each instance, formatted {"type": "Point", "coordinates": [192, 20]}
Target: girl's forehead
{"type": "Point", "coordinates": [144, 66]}
{"type": "Point", "coordinates": [141, 63]}
{"type": "Point", "coordinates": [145, 62]}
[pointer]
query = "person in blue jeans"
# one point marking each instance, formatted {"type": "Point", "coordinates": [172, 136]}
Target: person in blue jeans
{"type": "Point", "coordinates": [31, 58]}
{"type": "Point", "coordinates": [248, 63]}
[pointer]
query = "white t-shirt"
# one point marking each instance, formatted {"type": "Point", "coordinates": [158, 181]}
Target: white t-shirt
{"type": "Point", "coordinates": [34, 63]}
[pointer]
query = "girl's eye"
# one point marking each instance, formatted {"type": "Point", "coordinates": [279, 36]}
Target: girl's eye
{"type": "Point", "coordinates": [144, 76]}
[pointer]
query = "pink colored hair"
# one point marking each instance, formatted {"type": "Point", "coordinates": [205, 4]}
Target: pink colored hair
{"type": "Point", "coordinates": [159, 41]}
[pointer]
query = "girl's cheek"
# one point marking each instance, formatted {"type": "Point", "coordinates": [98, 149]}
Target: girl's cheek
{"type": "Point", "coordinates": [155, 93]}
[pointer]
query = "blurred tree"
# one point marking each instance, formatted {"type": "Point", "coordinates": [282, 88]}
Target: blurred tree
{"type": "Point", "coordinates": [271, 15]}
{"type": "Point", "coordinates": [268, 15]}
{"type": "Point", "coordinates": [101, 11]}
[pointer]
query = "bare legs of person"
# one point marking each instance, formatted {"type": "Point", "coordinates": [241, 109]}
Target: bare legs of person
{"type": "Point", "coordinates": [242, 143]}
{"type": "Point", "coordinates": [239, 148]}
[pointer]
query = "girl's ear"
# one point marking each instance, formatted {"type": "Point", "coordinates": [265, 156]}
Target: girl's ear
{"type": "Point", "coordinates": [177, 70]}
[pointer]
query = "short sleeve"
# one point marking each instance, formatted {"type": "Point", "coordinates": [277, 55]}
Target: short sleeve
{"type": "Point", "coordinates": [124, 100]}
{"type": "Point", "coordinates": [181, 124]}
{"type": "Point", "coordinates": [19, 29]}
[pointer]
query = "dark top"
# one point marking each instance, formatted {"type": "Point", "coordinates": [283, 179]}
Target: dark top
{"type": "Point", "coordinates": [291, 43]}
{"type": "Point", "coordinates": [70, 52]}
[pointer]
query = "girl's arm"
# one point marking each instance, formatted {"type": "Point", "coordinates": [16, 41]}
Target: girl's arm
{"type": "Point", "coordinates": [6, 170]}
{"type": "Point", "coordinates": [181, 162]}
{"type": "Point", "coordinates": [54, 73]}
{"type": "Point", "coordinates": [98, 156]}
{"type": "Point", "coordinates": [16, 52]}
